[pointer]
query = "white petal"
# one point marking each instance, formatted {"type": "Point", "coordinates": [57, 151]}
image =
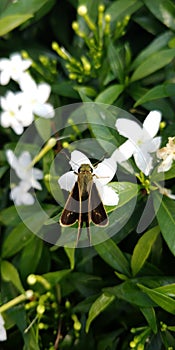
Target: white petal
{"type": "Point", "coordinates": [4, 63]}
{"type": "Point", "coordinates": [28, 199]}
{"type": "Point", "coordinates": [127, 149]}
{"type": "Point", "coordinates": [37, 173]}
{"type": "Point", "coordinates": [152, 145]}
{"type": "Point", "coordinates": [36, 184]}
{"type": "Point", "coordinates": [4, 77]}
{"type": "Point", "coordinates": [44, 110]}
{"type": "Point", "coordinates": [27, 84]}
{"type": "Point", "coordinates": [24, 159]}
{"type": "Point", "coordinates": [12, 160]}
{"type": "Point", "coordinates": [106, 170]}
{"type": "Point", "coordinates": [78, 158]}
{"type": "Point", "coordinates": [152, 122]}
{"type": "Point", "coordinates": [43, 92]}
{"type": "Point", "coordinates": [17, 127]}
{"type": "Point", "coordinates": [166, 164]}
{"type": "Point", "coordinates": [129, 128]}
{"type": "Point", "coordinates": [67, 181]}
{"type": "Point", "coordinates": [25, 117]}
{"type": "Point", "coordinates": [143, 162]}
{"type": "Point", "coordinates": [3, 334]}
{"type": "Point", "coordinates": [5, 119]}
{"type": "Point", "coordinates": [109, 196]}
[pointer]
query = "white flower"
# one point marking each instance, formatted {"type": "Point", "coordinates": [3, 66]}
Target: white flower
{"type": "Point", "coordinates": [33, 99]}
{"type": "Point", "coordinates": [141, 141]}
{"type": "Point", "coordinates": [20, 195]}
{"type": "Point", "coordinates": [103, 174]}
{"type": "Point", "coordinates": [11, 115]}
{"type": "Point", "coordinates": [24, 170]}
{"type": "Point", "coordinates": [167, 154]}
{"type": "Point", "coordinates": [166, 192]}
{"type": "Point", "coordinates": [3, 334]}
{"type": "Point", "coordinates": [13, 68]}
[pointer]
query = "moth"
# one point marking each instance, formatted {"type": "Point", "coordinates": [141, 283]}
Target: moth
{"type": "Point", "coordinates": [84, 203]}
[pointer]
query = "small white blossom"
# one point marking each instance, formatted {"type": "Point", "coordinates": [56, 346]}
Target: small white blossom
{"type": "Point", "coordinates": [11, 114]}
{"type": "Point", "coordinates": [167, 154]}
{"type": "Point", "coordinates": [3, 334]}
{"type": "Point", "coordinates": [14, 68]}
{"type": "Point", "coordinates": [141, 141]}
{"type": "Point", "coordinates": [20, 195]}
{"type": "Point", "coordinates": [24, 170]}
{"type": "Point", "coordinates": [28, 176]}
{"type": "Point", "coordinates": [166, 192]}
{"type": "Point", "coordinates": [33, 99]}
{"type": "Point", "coordinates": [103, 174]}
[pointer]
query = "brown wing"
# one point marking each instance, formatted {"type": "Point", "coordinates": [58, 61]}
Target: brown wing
{"type": "Point", "coordinates": [97, 211]}
{"type": "Point", "coordinates": [71, 211]}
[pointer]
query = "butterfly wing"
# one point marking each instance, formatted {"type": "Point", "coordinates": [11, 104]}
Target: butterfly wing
{"type": "Point", "coordinates": [71, 211]}
{"type": "Point", "coordinates": [97, 211]}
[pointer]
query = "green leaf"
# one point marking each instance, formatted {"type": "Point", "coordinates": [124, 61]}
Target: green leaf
{"type": "Point", "coordinates": [113, 256]}
{"type": "Point", "coordinates": [121, 8]}
{"type": "Point", "coordinates": [165, 302]}
{"type": "Point", "coordinates": [157, 44]}
{"type": "Point", "coordinates": [143, 249]}
{"type": "Point", "coordinates": [16, 240]}
{"type": "Point", "coordinates": [129, 292]}
{"type": "Point", "coordinates": [71, 255]}
{"type": "Point", "coordinates": [9, 216]}
{"type": "Point", "coordinates": [17, 13]}
{"type": "Point", "coordinates": [110, 94]}
{"type": "Point", "coordinates": [3, 169]}
{"type": "Point", "coordinates": [168, 289]}
{"type": "Point", "coordinates": [116, 63]}
{"type": "Point", "coordinates": [97, 307]}
{"type": "Point", "coordinates": [10, 22]}
{"type": "Point", "coordinates": [21, 235]}
{"type": "Point", "coordinates": [65, 88]}
{"type": "Point", "coordinates": [164, 10]}
{"type": "Point", "coordinates": [126, 191]}
{"type": "Point", "coordinates": [10, 274]}
{"type": "Point", "coordinates": [30, 257]}
{"type": "Point", "coordinates": [165, 213]}
{"type": "Point", "coordinates": [55, 277]}
{"type": "Point", "coordinates": [86, 90]}
{"type": "Point", "coordinates": [149, 314]}
{"type": "Point", "coordinates": [155, 62]}
{"type": "Point", "coordinates": [160, 91]}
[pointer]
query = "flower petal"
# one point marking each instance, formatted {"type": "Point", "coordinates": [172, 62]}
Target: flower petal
{"type": "Point", "coordinates": [43, 92]}
{"type": "Point", "coordinates": [4, 77]}
{"type": "Point", "coordinates": [106, 170]}
{"type": "Point", "coordinates": [24, 159]}
{"type": "Point", "coordinates": [3, 334]}
{"type": "Point", "coordinates": [44, 110]}
{"type": "Point", "coordinates": [166, 164]}
{"type": "Point", "coordinates": [37, 173]}
{"type": "Point", "coordinates": [67, 181]}
{"type": "Point", "coordinates": [152, 123]}
{"type": "Point", "coordinates": [143, 162]}
{"type": "Point", "coordinates": [78, 158]}
{"type": "Point", "coordinates": [12, 160]}
{"type": "Point", "coordinates": [107, 194]}
{"type": "Point", "coordinates": [129, 128]}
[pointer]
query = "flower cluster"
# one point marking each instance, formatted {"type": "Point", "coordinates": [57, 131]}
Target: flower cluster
{"type": "Point", "coordinates": [19, 108]}
{"type": "Point", "coordinates": [94, 37]}
{"type": "Point", "coordinates": [167, 154]}
{"type": "Point", "coordinates": [28, 178]}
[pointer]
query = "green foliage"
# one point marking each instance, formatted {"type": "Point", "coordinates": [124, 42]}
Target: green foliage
{"type": "Point", "coordinates": [120, 293]}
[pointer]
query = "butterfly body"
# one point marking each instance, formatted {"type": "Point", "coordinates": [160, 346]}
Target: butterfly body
{"type": "Point", "coordinates": [84, 203]}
